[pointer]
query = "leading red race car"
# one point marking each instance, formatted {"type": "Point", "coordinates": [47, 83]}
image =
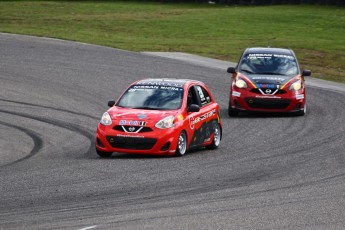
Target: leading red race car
{"type": "Point", "coordinates": [160, 117]}
{"type": "Point", "coordinates": [267, 80]}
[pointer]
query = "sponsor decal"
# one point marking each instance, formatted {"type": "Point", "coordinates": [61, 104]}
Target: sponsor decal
{"type": "Point", "coordinates": [159, 83]}
{"type": "Point", "coordinates": [299, 96]}
{"type": "Point", "coordinates": [236, 94]}
{"type": "Point", "coordinates": [170, 88]}
{"type": "Point", "coordinates": [134, 123]}
{"type": "Point", "coordinates": [283, 56]}
{"type": "Point", "coordinates": [145, 87]}
{"type": "Point", "coordinates": [141, 116]}
{"type": "Point", "coordinates": [150, 87]}
{"type": "Point", "coordinates": [269, 56]}
{"type": "Point", "coordinates": [267, 86]}
{"type": "Point", "coordinates": [268, 78]}
{"type": "Point", "coordinates": [193, 121]}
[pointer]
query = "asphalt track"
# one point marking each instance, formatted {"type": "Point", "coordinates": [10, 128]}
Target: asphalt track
{"type": "Point", "coordinates": [270, 172]}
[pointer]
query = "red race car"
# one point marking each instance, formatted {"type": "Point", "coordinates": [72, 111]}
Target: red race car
{"type": "Point", "coordinates": [267, 80]}
{"type": "Point", "coordinates": [160, 117]}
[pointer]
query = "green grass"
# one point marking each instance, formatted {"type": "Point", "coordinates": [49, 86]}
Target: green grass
{"type": "Point", "coordinates": [315, 33]}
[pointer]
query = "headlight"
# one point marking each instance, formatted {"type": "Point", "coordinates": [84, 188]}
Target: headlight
{"type": "Point", "coordinates": [240, 84]}
{"type": "Point", "coordinates": [106, 119]}
{"type": "Point", "coordinates": [297, 85]}
{"type": "Point", "coordinates": [165, 123]}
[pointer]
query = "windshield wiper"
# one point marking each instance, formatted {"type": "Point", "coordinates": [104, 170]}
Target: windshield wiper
{"type": "Point", "coordinates": [272, 73]}
{"type": "Point", "coordinates": [247, 71]}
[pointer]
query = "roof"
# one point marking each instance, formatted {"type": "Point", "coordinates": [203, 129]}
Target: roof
{"type": "Point", "coordinates": [269, 50]}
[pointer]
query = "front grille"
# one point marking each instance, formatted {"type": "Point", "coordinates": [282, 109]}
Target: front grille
{"type": "Point", "coordinates": [257, 91]}
{"type": "Point", "coordinates": [132, 129]}
{"type": "Point", "coordinates": [267, 103]}
{"type": "Point", "coordinates": [131, 142]}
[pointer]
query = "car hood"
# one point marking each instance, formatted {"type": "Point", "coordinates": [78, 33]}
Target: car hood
{"type": "Point", "coordinates": [127, 116]}
{"type": "Point", "coordinates": [259, 79]}
{"type": "Point", "coordinates": [269, 80]}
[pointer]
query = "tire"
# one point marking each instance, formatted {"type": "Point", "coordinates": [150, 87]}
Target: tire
{"type": "Point", "coordinates": [232, 112]}
{"type": "Point", "coordinates": [103, 154]}
{"type": "Point", "coordinates": [217, 136]}
{"type": "Point", "coordinates": [181, 147]}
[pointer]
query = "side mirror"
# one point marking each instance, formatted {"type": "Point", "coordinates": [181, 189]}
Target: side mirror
{"type": "Point", "coordinates": [306, 72]}
{"type": "Point", "coordinates": [231, 70]}
{"type": "Point", "coordinates": [193, 108]}
{"type": "Point", "coordinates": [111, 103]}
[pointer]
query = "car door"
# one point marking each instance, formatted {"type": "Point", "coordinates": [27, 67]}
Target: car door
{"type": "Point", "coordinates": [201, 122]}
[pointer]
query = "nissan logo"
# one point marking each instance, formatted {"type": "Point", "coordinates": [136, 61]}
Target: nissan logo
{"type": "Point", "coordinates": [268, 91]}
{"type": "Point", "coordinates": [131, 129]}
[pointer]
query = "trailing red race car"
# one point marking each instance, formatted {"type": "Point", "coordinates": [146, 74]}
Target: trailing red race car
{"type": "Point", "coordinates": [160, 117]}
{"type": "Point", "coordinates": [267, 80]}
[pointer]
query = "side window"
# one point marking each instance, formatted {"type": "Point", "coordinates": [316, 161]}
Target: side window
{"type": "Point", "coordinates": [203, 95]}
{"type": "Point", "coordinates": [192, 98]}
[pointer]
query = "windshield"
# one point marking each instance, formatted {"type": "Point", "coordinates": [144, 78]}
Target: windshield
{"type": "Point", "coordinates": [260, 63]}
{"type": "Point", "coordinates": [152, 97]}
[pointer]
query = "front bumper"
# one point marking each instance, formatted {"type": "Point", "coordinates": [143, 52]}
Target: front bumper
{"type": "Point", "coordinates": [156, 142]}
{"type": "Point", "coordinates": [248, 101]}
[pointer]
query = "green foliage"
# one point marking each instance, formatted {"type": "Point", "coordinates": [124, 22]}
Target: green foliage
{"type": "Point", "coordinates": [315, 33]}
{"type": "Point", "coordinates": [277, 2]}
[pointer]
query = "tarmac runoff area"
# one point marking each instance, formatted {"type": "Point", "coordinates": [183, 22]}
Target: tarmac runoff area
{"type": "Point", "coordinates": [219, 64]}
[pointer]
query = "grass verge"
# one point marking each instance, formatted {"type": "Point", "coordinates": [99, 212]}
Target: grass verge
{"type": "Point", "coordinates": [315, 33]}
